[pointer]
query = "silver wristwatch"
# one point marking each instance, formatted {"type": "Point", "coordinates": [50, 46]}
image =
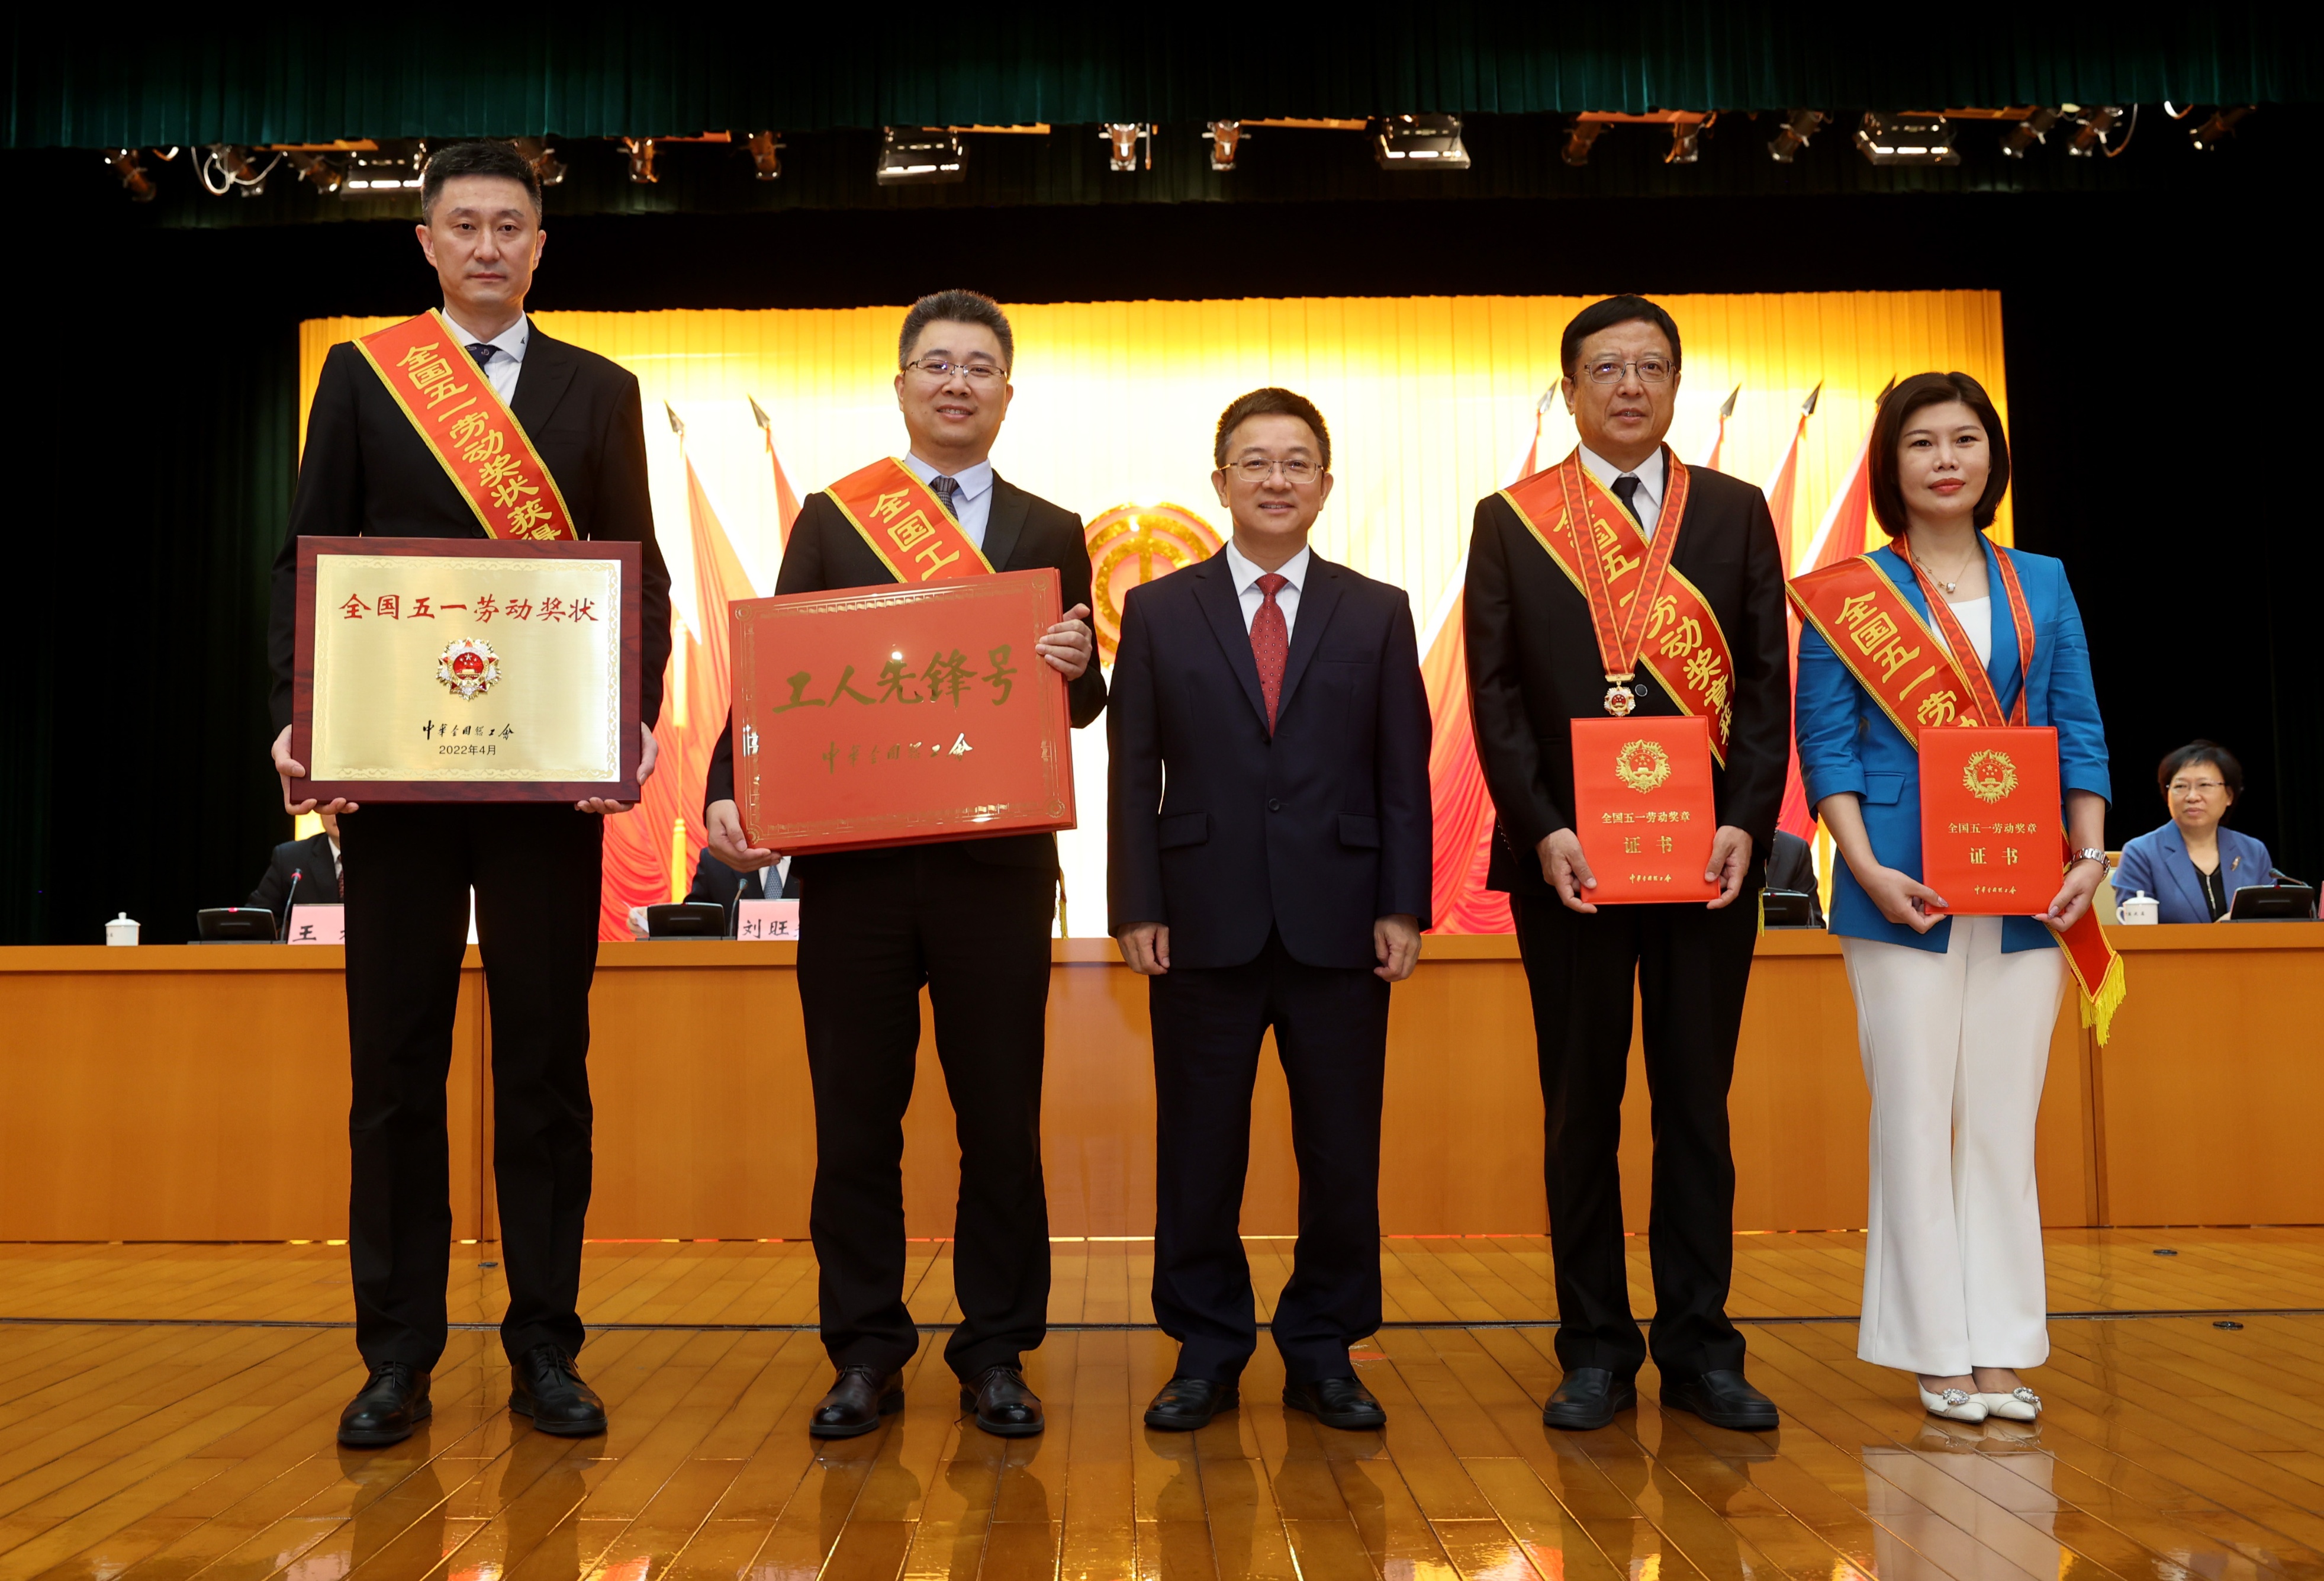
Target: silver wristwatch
{"type": "Point", "coordinates": [2090, 853]}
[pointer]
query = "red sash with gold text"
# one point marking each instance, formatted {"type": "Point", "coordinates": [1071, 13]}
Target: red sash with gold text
{"type": "Point", "coordinates": [1895, 658]}
{"type": "Point", "coordinates": [902, 520]}
{"type": "Point", "coordinates": [1646, 613]}
{"type": "Point", "coordinates": [462, 420]}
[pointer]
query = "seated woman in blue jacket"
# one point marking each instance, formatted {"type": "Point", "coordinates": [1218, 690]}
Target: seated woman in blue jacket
{"type": "Point", "coordinates": [1954, 1014]}
{"type": "Point", "coordinates": [2191, 865]}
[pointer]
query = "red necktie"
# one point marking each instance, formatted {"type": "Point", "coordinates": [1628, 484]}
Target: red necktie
{"type": "Point", "coordinates": [1270, 642]}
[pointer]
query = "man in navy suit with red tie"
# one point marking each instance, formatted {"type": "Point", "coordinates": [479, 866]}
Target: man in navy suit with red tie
{"type": "Point", "coordinates": [1269, 867]}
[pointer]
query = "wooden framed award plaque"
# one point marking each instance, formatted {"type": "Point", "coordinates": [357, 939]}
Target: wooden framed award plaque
{"type": "Point", "coordinates": [899, 715]}
{"type": "Point", "coordinates": [1644, 809]}
{"type": "Point", "coordinates": [1993, 837]}
{"type": "Point", "coordinates": [467, 670]}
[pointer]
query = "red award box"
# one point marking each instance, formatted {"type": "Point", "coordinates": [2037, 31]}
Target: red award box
{"type": "Point", "coordinates": [1644, 809]}
{"type": "Point", "coordinates": [898, 715]}
{"type": "Point", "coordinates": [1992, 819]}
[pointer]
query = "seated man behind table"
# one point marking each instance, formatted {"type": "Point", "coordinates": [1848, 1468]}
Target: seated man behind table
{"type": "Point", "coordinates": [312, 863]}
{"type": "Point", "coordinates": [716, 882]}
{"type": "Point", "coordinates": [1269, 866]}
{"type": "Point", "coordinates": [1791, 865]}
{"type": "Point", "coordinates": [2192, 865]}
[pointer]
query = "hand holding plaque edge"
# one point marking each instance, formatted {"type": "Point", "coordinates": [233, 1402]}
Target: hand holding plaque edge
{"type": "Point", "coordinates": [1068, 644]}
{"type": "Point", "coordinates": [606, 805]}
{"type": "Point", "coordinates": [722, 827]}
{"type": "Point", "coordinates": [288, 768]}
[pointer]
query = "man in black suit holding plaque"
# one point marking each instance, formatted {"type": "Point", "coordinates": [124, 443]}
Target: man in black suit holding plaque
{"type": "Point", "coordinates": [534, 868]}
{"type": "Point", "coordinates": [968, 919]}
{"type": "Point", "coordinates": [1268, 867]}
{"type": "Point", "coordinates": [1709, 639]}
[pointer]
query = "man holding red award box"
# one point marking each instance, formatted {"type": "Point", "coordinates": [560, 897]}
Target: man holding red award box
{"type": "Point", "coordinates": [969, 917]}
{"type": "Point", "coordinates": [1629, 678]}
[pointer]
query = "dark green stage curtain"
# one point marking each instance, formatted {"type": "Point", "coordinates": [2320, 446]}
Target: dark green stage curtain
{"type": "Point", "coordinates": [86, 79]}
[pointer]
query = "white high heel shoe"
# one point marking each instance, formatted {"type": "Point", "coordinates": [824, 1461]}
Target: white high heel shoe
{"type": "Point", "coordinates": [1954, 1403]}
{"type": "Point", "coordinates": [2021, 1404]}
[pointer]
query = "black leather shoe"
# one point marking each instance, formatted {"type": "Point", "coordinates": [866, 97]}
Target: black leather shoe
{"type": "Point", "coordinates": [1185, 1404]}
{"type": "Point", "coordinates": [1004, 1407]}
{"type": "Point", "coordinates": [1589, 1397]}
{"type": "Point", "coordinates": [859, 1398]}
{"type": "Point", "coordinates": [547, 1388]}
{"type": "Point", "coordinates": [1723, 1398]}
{"type": "Point", "coordinates": [392, 1402]}
{"type": "Point", "coordinates": [1336, 1402]}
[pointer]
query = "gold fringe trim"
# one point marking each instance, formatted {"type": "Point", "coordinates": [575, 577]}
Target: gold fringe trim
{"type": "Point", "coordinates": [2098, 1008]}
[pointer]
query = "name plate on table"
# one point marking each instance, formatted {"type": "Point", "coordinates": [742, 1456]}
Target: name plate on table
{"type": "Point", "coordinates": [1992, 818]}
{"type": "Point", "coordinates": [767, 920]}
{"type": "Point", "coordinates": [898, 715]}
{"type": "Point", "coordinates": [317, 924]}
{"type": "Point", "coordinates": [467, 670]}
{"type": "Point", "coordinates": [1644, 809]}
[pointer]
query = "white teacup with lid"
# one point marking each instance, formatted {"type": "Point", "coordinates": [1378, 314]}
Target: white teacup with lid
{"type": "Point", "coordinates": [122, 930]}
{"type": "Point", "coordinates": [2140, 909]}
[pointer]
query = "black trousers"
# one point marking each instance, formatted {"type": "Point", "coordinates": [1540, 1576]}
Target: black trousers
{"type": "Point", "coordinates": [1691, 966]}
{"type": "Point", "coordinates": [874, 928]}
{"type": "Point", "coordinates": [1330, 1033]}
{"type": "Point", "coordinates": [535, 871]}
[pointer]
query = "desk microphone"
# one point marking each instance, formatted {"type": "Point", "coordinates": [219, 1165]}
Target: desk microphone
{"type": "Point", "coordinates": [290, 900]}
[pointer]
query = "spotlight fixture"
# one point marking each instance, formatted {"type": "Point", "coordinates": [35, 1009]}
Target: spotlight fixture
{"type": "Point", "coordinates": [2091, 126]}
{"type": "Point", "coordinates": [546, 168]}
{"type": "Point", "coordinates": [919, 156]}
{"type": "Point", "coordinates": [641, 158]}
{"type": "Point", "coordinates": [134, 179]}
{"type": "Point", "coordinates": [226, 167]}
{"type": "Point", "coordinates": [2222, 125]}
{"type": "Point", "coordinates": [1907, 137]}
{"type": "Point", "coordinates": [1686, 136]}
{"type": "Point", "coordinates": [767, 154]}
{"type": "Point", "coordinates": [392, 167]}
{"type": "Point", "coordinates": [1419, 142]}
{"type": "Point", "coordinates": [1799, 125]}
{"type": "Point", "coordinates": [2034, 128]}
{"type": "Point", "coordinates": [1123, 135]}
{"type": "Point", "coordinates": [317, 169]}
{"type": "Point", "coordinates": [1225, 137]}
{"type": "Point", "coordinates": [1578, 139]}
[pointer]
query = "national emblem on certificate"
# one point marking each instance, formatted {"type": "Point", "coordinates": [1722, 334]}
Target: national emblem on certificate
{"type": "Point", "coordinates": [898, 715]}
{"type": "Point", "coordinates": [459, 669]}
{"type": "Point", "coordinates": [1992, 818]}
{"type": "Point", "coordinates": [1642, 806]}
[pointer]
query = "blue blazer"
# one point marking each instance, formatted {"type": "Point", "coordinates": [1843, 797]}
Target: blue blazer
{"type": "Point", "coordinates": [1848, 743]}
{"type": "Point", "coordinates": [2157, 864]}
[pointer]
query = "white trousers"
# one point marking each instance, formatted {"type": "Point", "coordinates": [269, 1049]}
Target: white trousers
{"type": "Point", "coordinates": [1955, 1046]}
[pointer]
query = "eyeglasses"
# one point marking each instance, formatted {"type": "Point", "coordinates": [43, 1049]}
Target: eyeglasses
{"type": "Point", "coordinates": [1651, 370]}
{"type": "Point", "coordinates": [974, 372]}
{"type": "Point", "coordinates": [1296, 471]}
{"type": "Point", "coordinates": [2188, 787]}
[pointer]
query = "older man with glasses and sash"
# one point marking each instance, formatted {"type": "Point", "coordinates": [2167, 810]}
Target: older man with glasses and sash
{"type": "Point", "coordinates": [1622, 584]}
{"type": "Point", "coordinates": [968, 918]}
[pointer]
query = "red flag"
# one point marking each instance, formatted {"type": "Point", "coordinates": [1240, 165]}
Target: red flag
{"type": "Point", "coordinates": [787, 500]}
{"type": "Point", "coordinates": [1457, 798]}
{"type": "Point", "coordinates": [1718, 440]}
{"type": "Point", "coordinates": [1780, 488]}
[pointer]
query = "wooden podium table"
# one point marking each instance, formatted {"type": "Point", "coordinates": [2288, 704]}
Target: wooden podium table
{"type": "Point", "coordinates": [201, 1093]}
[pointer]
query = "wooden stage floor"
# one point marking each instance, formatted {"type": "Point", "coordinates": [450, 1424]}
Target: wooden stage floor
{"type": "Point", "coordinates": [166, 1412]}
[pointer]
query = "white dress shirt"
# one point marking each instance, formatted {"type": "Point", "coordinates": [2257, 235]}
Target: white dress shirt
{"type": "Point", "coordinates": [1648, 501]}
{"type": "Point", "coordinates": [504, 369]}
{"type": "Point", "coordinates": [1246, 582]}
{"type": "Point", "coordinates": [1976, 617]}
{"type": "Point", "coordinates": [974, 503]}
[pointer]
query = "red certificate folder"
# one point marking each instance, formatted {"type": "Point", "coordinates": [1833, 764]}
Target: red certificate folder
{"type": "Point", "coordinates": [1644, 809]}
{"type": "Point", "coordinates": [1992, 818]}
{"type": "Point", "coordinates": [898, 715]}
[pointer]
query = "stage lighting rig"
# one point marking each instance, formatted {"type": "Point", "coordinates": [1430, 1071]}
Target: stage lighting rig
{"type": "Point", "coordinates": [1224, 137]}
{"type": "Point", "coordinates": [1906, 137]}
{"type": "Point", "coordinates": [546, 168]}
{"type": "Point", "coordinates": [1686, 138]}
{"type": "Point", "coordinates": [2034, 128]}
{"type": "Point", "coordinates": [1578, 139]}
{"type": "Point", "coordinates": [373, 168]}
{"type": "Point", "coordinates": [1799, 125]}
{"type": "Point", "coordinates": [317, 169]}
{"type": "Point", "coordinates": [2091, 126]}
{"type": "Point", "coordinates": [2208, 136]}
{"type": "Point", "coordinates": [912, 156]}
{"type": "Point", "coordinates": [642, 159]}
{"type": "Point", "coordinates": [766, 155]}
{"type": "Point", "coordinates": [1123, 136]}
{"type": "Point", "coordinates": [1419, 142]}
{"type": "Point", "coordinates": [226, 167]}
{"type": "Point", "coordinates": [134, 180]}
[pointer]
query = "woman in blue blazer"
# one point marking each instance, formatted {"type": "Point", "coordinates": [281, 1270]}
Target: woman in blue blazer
{"type": "Point", "coordinates": [2190, 864]}
{"type": "Point", "coordinates": [1954, 1014]}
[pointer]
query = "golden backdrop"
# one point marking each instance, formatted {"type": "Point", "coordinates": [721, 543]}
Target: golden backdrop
{"type": "Point", "coordinates": [1431, 402]}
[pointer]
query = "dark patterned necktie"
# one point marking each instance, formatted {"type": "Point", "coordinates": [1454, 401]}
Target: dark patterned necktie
{"type": "Point", "coordinates": [483, 355]}
{"type": "Point", "coordinates": [947, 489]}
{"type": "Point", "coordinates": [1626, 489]}
{"type": "Point", "coordinates": [1270, 642]}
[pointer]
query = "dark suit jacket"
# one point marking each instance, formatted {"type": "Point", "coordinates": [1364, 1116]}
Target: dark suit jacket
{"type": "Point", "coordinates": [1791, 865]}
{"type": "Point", "coordinates": [366, 471]}
{"type": "Point", "coordinates": [319, 882]}
{"type": "Point", "coordinates": [1223, 833]}
{"type": "Point", "coordinates": [1023, 532]}
{"type": "Point", "coordinates": [1533, 668]}
{"type": "Point", "coordinates": [714, 881]}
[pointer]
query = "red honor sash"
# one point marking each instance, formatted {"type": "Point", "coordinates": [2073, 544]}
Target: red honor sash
{"type": "Point", "coordinates": [460, 418]}
{"type": "Point", "coordinates": [1918, 684]}
{"type": "Point", "coordinates": [1646, 612]}
{"type": "Point", "coordinates": [902, 520]}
